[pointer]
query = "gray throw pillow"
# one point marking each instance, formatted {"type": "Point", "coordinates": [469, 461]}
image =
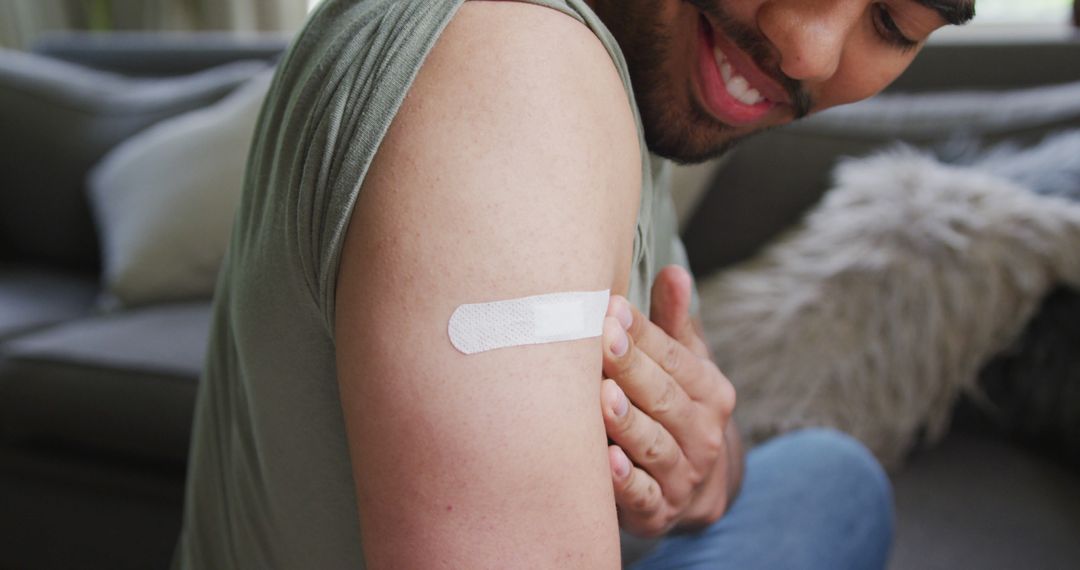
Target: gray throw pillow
{"type": "Point", "coordinates": [772, 179]}
{"type": "Point", "coordinates": [58, 120]}
{"type": "Point", "coordinates": [164, 200]}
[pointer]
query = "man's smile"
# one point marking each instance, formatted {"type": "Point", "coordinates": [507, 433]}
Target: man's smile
{"type": "Point", "coordinates": [733, 88]}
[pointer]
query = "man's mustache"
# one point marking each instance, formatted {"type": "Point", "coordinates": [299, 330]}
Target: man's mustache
{"type": "Point", "coordinates": [760, 50]}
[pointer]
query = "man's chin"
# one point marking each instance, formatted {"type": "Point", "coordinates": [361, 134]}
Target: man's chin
{"type": "Point", "coordinates": [692, 148]}
{"type": "Point", "coordinates": [694, 156]}
{"type": "Point", "coordinates": [701, 138]}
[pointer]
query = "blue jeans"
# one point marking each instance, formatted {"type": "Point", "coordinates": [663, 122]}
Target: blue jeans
{"type": "Point", "coordinates": [813, 499]}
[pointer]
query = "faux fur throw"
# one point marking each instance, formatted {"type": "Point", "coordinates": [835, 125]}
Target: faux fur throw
{"type": "Point", "coordinates": [880, 309]}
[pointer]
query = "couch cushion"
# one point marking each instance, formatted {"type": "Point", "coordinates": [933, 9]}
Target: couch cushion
{"type": "Point", "coordinates": [979, 502]}
{"type": "Point", "coordinates": [164, 225]}
{"type": "Point", "coordinates": [772, 179]}
{"type": "Point", "coordinates": [32, 297]}
{"type": "Point", "coordinates": [59, 119]}
{"type": "Point", "coordinates": [123, 382]}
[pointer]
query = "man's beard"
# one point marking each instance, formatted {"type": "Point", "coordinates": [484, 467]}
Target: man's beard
{"type": "Point", "coordinates": [678, 127]}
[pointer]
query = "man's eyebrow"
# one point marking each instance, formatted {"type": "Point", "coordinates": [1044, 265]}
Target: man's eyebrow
{"type": "Point", "coordinates": [955, 12]}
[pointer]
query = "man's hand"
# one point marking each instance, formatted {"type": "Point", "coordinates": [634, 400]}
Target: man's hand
{"type": "Point", "coordinates": [677, 460]}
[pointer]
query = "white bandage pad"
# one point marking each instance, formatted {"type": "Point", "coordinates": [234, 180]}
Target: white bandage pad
{"type": "Point", "coordinates": [529, 320]}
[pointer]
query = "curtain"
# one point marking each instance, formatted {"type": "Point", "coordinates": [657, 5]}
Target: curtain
{"type": "Point", "coordinates": [279, 15]}
{"type": "Point", "coordinates": [21, 21]}
{"type": "Point", "coordinates": [234, 15]}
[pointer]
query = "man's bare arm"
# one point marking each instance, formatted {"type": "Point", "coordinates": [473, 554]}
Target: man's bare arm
{"type": "Point", "coordinates": [512, 169]}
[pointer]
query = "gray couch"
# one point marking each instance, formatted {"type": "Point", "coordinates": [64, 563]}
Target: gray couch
{"type": "Point", "coordinates": [95, 405]}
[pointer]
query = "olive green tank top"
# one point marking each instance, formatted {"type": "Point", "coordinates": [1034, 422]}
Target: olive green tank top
{"type": "Point", "coordinates": [269, 479]}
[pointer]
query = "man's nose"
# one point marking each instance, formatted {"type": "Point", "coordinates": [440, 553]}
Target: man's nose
{"type": "Point", "coordinates": [810, 35]}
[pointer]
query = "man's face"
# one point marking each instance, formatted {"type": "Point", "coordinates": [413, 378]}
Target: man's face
{"type": "Point", "coordinates": [707, 73]}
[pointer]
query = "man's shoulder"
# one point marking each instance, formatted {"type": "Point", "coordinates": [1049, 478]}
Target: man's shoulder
{"type": "Point", "coordinates": [510, 79]}
{"type": "Point", "coordinates": [535, 28]}
{"type": "Point", "coordinates": [519, 113]}
{"type": "Point", "coordinates": [522, 52]}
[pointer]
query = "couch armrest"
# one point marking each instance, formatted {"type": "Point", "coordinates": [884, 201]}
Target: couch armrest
{"type": "Point", "coordinates": [966, 60]}
{"type": "Point", "coordinates": [160, 54]}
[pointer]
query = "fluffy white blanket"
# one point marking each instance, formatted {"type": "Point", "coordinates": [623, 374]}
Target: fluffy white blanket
{"type": "Point", "coordinates": [875, 313]}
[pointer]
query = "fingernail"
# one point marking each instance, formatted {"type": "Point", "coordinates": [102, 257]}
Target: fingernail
{"type": "Point", "coordinates": [621, 343]}
{"type": "Point", "coordinates": [622, 465]}
{"type": "Point", "coordinates": [624, 316]}
{"type": "Point", "coordinates": [621, 405]}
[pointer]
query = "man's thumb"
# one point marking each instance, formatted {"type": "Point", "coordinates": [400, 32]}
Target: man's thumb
{"type": "Point", "coordinates": [670, 308]}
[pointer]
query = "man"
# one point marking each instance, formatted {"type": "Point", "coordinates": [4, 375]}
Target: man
{"type": "Point", "coordinates": [415, 156]}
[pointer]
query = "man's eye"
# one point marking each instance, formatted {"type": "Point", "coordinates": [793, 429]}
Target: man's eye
{"type": "Point", "coordinates": [889, 31]}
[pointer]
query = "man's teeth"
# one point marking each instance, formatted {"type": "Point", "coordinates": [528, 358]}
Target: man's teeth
{"type": "Point", "coordinates": [737, 85]}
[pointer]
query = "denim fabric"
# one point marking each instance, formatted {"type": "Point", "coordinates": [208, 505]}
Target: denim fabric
{"type": "Point", "coordinates": [813, 499]}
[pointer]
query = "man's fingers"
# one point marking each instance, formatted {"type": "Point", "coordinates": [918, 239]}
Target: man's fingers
{"type": "Point", "coordinates": [671, 295]}
{"type": "Point", "coordinates": [649, 445]}
{"type": "Point", "coordinates": [688, 369]}
{"type": "Point", "coordinates": [652, 389]}
{"type": "Point", "coordinates": [642, 507]}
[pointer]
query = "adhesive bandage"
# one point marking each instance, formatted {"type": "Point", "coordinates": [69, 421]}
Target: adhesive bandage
{"type": "Point", "coordinates": [537, 319]}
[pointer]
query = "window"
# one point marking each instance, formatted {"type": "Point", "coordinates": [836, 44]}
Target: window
{"type": "Point", "coordinates": [1004, 12]}
{"type": "Point", "coordinates": [990, 11]}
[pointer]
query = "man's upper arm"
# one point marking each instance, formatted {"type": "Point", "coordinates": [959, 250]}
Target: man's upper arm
{"type": "Point", "coordinates": [512, 169]}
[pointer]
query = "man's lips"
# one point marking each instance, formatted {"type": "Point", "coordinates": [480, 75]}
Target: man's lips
{"type": "Point", "coordinates": [734, 89]}
{"type": "Point", "coordinates": [745, 65]}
